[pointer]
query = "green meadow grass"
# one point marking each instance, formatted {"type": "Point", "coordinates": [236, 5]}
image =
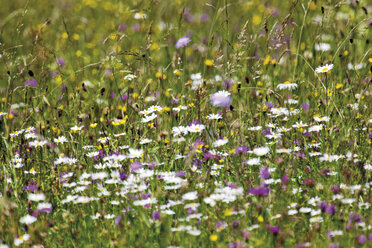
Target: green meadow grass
{"type": "Point", "coordinates": [134, 107]}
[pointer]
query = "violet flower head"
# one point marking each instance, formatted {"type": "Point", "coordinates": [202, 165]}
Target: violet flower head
{"type": "Point", "coordinates": [117, 220]}
{"type": "Point", "coordinates": [241, 149]}
{"type": "Point", "coordinates": [155, 215]}
{"type": "Point", "coordinates": [30, 82]}
{"type": "Point", "coordinates": [182, 42]}
{"type": "Point", "coordinates": [261, 191]}
{"type": "Point", "coordinates": [264, 172]}
{"type": "Point", "coordinates": [204, 17]}
{"type": "Point", "coordinates": [136, 166]}
{"type": "Point", "coordinates": [221, 99]}
{"type": "Point", "coordinates": [61, 62]}
{"type": "Point", "coordinates": [305, 106]}
{"type": "Point", "coordinates": [274, 229]}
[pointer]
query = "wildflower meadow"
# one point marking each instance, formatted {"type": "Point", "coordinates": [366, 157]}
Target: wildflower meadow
{"type": "Point", "coordinates": [174, 123]}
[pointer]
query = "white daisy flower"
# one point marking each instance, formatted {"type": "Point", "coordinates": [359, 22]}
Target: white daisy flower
{"type": "Point", "coordinates": [325, 68]}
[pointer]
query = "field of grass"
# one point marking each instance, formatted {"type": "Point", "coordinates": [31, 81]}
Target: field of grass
{"type": "Point", "coordinates": [170, 123]}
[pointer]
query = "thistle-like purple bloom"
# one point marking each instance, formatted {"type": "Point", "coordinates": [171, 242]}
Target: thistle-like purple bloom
{"type": "Point", "coordinates": [259, 191]}
{"type": "Point", "coordinates": [117, 220]}
{"type": "Point", "coordinates": [182, 42]}
{"type": "Point", "coordinates": [30, 82]}
{"type": "Point", "coordinates": [264, 172]}
{"type": "Point", "coordinates": [274, 229]}
{"type": "Point", "coordinates": [136, 166]}
{"type": "Point", "coordinates": [155, 215]}
{"type": "Point", "coordinates": [221, 99]}
{"type": "Point", "coordinates": [61, 62]}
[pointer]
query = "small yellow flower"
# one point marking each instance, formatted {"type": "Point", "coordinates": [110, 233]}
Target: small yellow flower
{"type": "Point", "coordinates": [213, 237]}
{"type": "Point", "coordinates": [267, 60]}
{"type": "Point", "coordinates": [76, 36]}
{"type": "Point", "coordinates": [93, 125]}
{"type": "Point", "coordinates": [177, 72]}
{"type": "Point", "coordinates": [339, 86]}
{"type": "Point", "coordinates": [228, 212]}
{"type": "Point", "coordinates": [256, 19]}
{"type": "Point", "coordinates": [59, 79]}
{"type": "Point", "coordinates": [154, 46]}
{"type": "Point", "coordinates": [161, 75]}
{"type": "Point", "coordinates": [260, 218]}
{"type": "Point", "coordinates": [312, 6]}
{"type": "Point", "coordinates": [208, 62]}
{"type": "Point", "coordinates": [64, 35]}
{"type": "Point", "coordinates": [78, 53]}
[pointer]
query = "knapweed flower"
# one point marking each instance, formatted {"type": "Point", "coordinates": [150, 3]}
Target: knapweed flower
{"type": "Point", "coordinates": [322, 69]}
{"type": "Point", "coordinates": [182, 42]}
{"type": "Point", "coordinates": [259, 191]}
{"type": "Point", "coordinates": [287, 85]}
{"type": "Point", "coordinates": [30, 82]}
{"type": "Point", "coordinates": [221, 99]}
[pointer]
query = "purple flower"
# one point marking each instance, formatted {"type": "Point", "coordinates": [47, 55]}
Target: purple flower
{"type": "Point", "coordinates": [180, 174]}
{"type": "Point", "coordinates": [208, 156]}
{"type": "Point", "coordinates": [117, 220]}
{"type": "Point", "coordinates": [259, 191]}
{"type": "Point", "coordinates": [123, 176]}
{"type": "Point", "coordinates": [122, 27]}
{"type": "Point", "coordinates": [188, 16]}
{"type": "Point", "coordinates": [174, 100]}
{"type": "Point", "coordinates": [235, 223]}
{"type": "Point", "coordinates": [136, 166]}
{"type": "Point", "coordinates": [335, 189]}
{"type": "Point", "coordinates": [241, 149]}
{"type": "Point", "coordinates": [355, 217]}
{"type": "Point", "coordinates": [124, 97]}
{"type": "Point", "coordinates": [269, 105]}
{"type": "Point", "coordinates": [266, 131]}
{"type": "Point", "coordinates": [264, 172]}
{"type": "Point", "coordinates": [221, 99]}
{"type": "Point", "coordinates": [361, 239]}
{"type": "Point", "coordinates": [182, 42]}
{"type": "Point", "coordinates": [61, 62]}
{"type": "Point", "coordinates": [285, 179]}
{"type": "Point", "coordinates": [155, 215]}
{"type": "Point", "coordinates": [334, 245]}
{"type": "Point", "coordinates": [305, 106]}
{"type": "Point", "coordinates": [204, 17]}
{"type": "Point", "coordinates": [30, 82]}
{"type": "Point", "coordinates": [274, 229]}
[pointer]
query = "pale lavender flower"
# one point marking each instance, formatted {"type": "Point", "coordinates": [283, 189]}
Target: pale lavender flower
{"type": "Point", "coordinates": [182, 42]}
{"type": "Point", "coordinates": [221, 99]}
